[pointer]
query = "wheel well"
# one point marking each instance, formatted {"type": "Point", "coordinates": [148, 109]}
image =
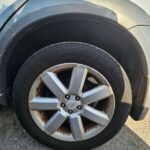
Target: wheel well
{"type": "Point", "coordinates": [100, 32]}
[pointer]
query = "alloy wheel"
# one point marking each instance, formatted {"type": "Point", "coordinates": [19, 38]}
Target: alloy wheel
{"type": "Point", "coordinates": [71, 102]}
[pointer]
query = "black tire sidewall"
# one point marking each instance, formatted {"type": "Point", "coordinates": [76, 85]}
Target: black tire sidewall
{"type": "Point", "coordinates": [70, 52]}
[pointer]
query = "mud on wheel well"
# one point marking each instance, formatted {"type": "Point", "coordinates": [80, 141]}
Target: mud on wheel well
{"type": "Point", "coordinates": [102, 33]}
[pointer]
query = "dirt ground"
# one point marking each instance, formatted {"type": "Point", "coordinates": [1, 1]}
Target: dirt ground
{"type": "Point", "coordinates": [133, 136]}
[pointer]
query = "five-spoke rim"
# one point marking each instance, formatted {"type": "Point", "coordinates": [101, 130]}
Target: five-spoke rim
{"type": "Point", "coordinates": [72, 103]}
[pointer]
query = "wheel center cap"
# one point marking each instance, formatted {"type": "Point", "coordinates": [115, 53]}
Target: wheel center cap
{"type": "Point", "coordinates": [71, 104]}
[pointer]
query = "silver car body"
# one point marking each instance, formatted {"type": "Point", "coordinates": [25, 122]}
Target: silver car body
{"type": "Point", "coordinates": [144, 4]}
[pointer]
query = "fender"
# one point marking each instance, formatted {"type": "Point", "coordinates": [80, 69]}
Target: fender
{"type": "Point", "coordinates": [29, 15]}
{"type": "Point", "coordinates": [33, 11]}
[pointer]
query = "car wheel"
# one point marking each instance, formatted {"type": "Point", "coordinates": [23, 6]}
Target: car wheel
{"type": "Point", "coordinates": [72, 95]}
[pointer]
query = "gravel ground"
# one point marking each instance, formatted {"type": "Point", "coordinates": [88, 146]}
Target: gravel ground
{"type": "Point", "coordinates": [133, 136]}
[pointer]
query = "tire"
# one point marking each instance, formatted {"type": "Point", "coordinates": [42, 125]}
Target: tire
{"type": "Point", "coordinates": [68, 52]}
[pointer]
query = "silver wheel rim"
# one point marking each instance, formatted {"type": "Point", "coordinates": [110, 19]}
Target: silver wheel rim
{"type": "Point", "coordinates": [78, 113]}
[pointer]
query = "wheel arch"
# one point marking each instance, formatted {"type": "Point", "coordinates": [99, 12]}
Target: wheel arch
{"type": "Point", "coordinates": [80, 27]}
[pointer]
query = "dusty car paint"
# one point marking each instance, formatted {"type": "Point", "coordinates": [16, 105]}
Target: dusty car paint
{"type": "Point", "coordinates": [7, 10]}
{"type": "Point", "coordinates": [128, 13]}
{"type": "Point", "coordinates": [5, 4]}
{"type": "Point", "coordinates": [144, 4]}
